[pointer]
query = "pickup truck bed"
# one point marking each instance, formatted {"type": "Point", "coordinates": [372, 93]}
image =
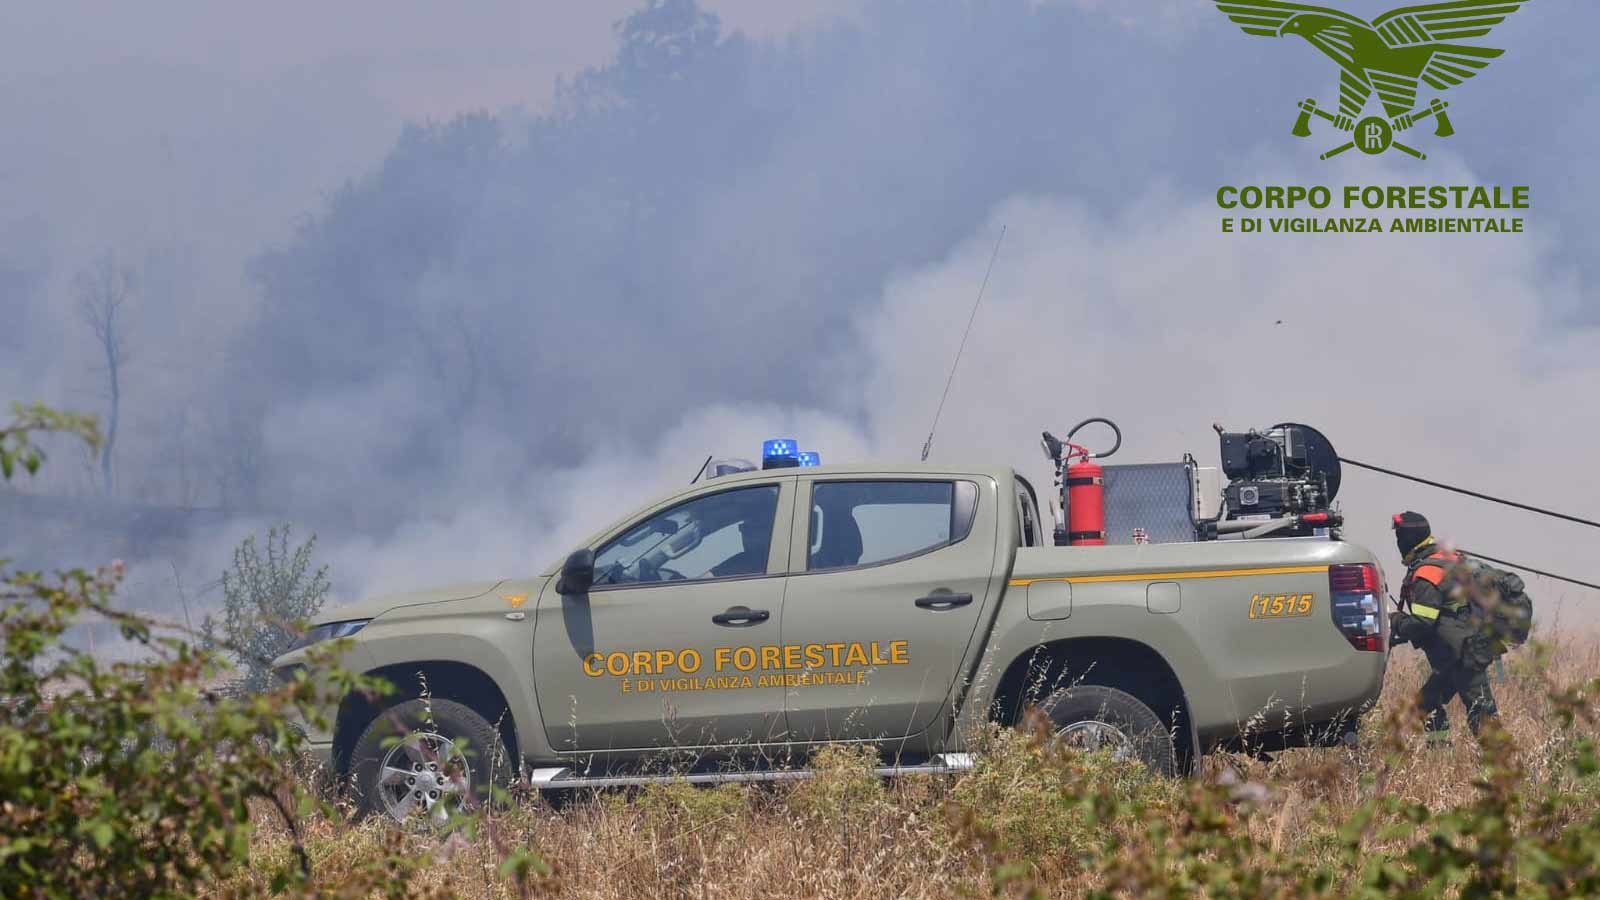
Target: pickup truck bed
{"type": "Point", "coordinates": [1243, 668]}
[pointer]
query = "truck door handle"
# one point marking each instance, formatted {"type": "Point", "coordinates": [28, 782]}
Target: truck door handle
{"type": "Point", "coordinates": [943, 601]}
{"type": "Point", "coordinates": [741, 617]}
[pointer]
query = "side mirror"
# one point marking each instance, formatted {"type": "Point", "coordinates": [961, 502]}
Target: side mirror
{"type": "Point", "coordinates": [577, 573]}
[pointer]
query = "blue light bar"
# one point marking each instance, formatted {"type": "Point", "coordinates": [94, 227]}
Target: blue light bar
{"type": "Point", "coordinates": [780, 448]}
{"type": "Point", "coordinates": [809, 458]}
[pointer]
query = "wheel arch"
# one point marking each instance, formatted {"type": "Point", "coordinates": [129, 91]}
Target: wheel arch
{"type": "Point", "coordinates": [444, 679]}
{"type": "Point", "coordinates": [1121, 663]}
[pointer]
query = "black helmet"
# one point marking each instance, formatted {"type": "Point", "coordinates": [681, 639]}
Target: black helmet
{"type": "Point", "coordinates": [1410, 529]}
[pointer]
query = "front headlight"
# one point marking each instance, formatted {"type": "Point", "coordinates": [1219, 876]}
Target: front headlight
{"type": "Point", "coordinates": [327, 632]}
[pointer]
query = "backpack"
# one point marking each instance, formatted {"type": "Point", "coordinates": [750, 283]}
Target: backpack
{"type": "Point", "coordinates": [1498, 600]}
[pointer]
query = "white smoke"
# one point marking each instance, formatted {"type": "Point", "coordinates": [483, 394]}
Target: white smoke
{"type": "Point", "coordinates": [1463, 358]}
{"type": "Point", "coordinates": [1426, 354]}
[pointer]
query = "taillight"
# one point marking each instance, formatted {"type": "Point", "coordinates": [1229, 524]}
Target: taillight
{"type": "Point", "coordinates": [1357, 604]}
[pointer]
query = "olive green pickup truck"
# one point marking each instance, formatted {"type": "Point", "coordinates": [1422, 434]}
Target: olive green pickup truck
{"type": "Point", "coordinates": [735, 626]}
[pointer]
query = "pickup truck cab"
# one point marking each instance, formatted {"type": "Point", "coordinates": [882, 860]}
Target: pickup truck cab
{"type": "Point", "coordinates": [758, 616]}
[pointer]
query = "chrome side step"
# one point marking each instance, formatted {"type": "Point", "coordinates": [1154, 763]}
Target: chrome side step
{"type": "Point", "coordinates": [560, 777]}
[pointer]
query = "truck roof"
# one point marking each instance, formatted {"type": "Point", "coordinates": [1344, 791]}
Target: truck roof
{"type": "Point", "coordinates": [870, 468]}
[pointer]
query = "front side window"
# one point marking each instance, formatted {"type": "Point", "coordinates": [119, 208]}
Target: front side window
{"type": "Point", "coordinates": [861, 523]}
{"type": "Point", "coordinates": [722, 535]}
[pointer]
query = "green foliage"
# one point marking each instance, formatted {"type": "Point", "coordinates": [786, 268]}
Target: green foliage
{"type": "Point", "coordinates": [265, 599]}
{"type": "Point", "coordinates": [844, 788]}
{"type": "Point", "coordinates": [130, 778]}
{"type": "Point", "coordinates": [17, 447]}
{"type": "Point", "coordinates": [138, 779]}
{"type": "Point", "coordinates": [1042, 815]}
{"type": "Point", "coordinates": [1031, 800]}
{"type": "Point", "coordinates": [667, 802]}
{"type": "Point", "coordinates": [135, 779]}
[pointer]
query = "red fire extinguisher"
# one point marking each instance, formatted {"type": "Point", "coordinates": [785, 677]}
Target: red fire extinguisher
{"type": "Point", "coordinates": [1083, 486]}
{"type": "Point", "coordinates": [1086, 502]}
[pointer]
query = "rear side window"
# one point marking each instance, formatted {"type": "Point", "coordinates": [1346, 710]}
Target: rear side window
{"type": "Point", "coordinates": [862, 523]}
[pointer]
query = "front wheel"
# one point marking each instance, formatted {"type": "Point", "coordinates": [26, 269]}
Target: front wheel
{"type": "Point", "coordinates": [427, 759]}
{"type": "Point", "coordinates": [1090, 718]}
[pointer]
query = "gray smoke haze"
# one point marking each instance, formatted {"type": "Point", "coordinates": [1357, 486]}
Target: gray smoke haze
{"type": "Point", "coordinates": [452, 346]}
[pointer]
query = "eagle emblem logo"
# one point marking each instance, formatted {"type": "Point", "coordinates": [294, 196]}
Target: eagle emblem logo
{"type": "Point", "coordinates": [1392, 56]}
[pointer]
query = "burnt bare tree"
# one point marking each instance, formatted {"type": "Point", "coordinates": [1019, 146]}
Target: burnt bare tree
{"type": "Point", "coordinates": [104, 289]}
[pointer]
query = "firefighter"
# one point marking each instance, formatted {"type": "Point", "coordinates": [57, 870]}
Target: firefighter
{"type": "Point", "coordinates": [1441, 626]}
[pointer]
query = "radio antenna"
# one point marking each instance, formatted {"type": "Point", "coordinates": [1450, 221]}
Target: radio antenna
{"type": "Point", "coordinates": [702, 470]}
{"type": "Point", "coordinates": [928, 444]}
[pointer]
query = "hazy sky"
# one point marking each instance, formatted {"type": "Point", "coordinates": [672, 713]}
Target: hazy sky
{"type": "Point", "coordinates": [836, 184]}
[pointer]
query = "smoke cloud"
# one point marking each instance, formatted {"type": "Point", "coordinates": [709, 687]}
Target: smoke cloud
{"type": "Point", "coordinates": [452, 346]}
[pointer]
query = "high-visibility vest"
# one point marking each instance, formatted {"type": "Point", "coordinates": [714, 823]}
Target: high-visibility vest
{"type": "Point", "coordinates": [1432, 568]}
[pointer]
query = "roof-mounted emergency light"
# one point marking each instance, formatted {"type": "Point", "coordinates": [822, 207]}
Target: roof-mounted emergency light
{"type": "Point", "coordinates": [780, 453]}
{"type": "Point", "coordinates": [809, 458]}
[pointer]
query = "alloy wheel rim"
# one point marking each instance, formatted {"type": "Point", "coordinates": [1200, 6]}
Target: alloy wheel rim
{"type": "Point", "coordinates": [1093, 735]}
{"type": "Point", "coordinates": [426, 774]}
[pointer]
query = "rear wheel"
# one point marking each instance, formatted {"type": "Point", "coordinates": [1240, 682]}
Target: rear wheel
{"type": "Point", "coordinates": [427, 759]}
{"type": "Point", "coordinates": [1094, 718]}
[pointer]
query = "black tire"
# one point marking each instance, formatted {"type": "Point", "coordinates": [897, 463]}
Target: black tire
{"type": "Point", "coordinates": [1146, 734]}
{"type": "Point", "coordinates": [486, 761]}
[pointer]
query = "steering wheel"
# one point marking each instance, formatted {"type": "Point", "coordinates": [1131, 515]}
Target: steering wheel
{"type": "Point", "coordinates": [649, 571]}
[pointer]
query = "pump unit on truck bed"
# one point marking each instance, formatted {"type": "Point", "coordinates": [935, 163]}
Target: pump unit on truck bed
{"type": "Point", "coordinates": [760, 615]}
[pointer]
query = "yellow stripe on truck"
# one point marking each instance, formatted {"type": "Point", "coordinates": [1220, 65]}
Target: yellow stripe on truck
{"type": "Point", "coordinates": [1173, 576]}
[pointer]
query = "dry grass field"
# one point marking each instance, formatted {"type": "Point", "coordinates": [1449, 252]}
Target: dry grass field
{"type": "Point", "coordinates": [1392, 817]}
